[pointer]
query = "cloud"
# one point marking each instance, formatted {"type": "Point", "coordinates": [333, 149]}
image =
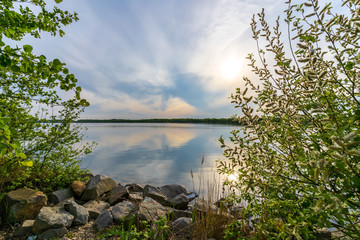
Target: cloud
{"type": "Point", "coordinates": [156, 59]}
{"type": "Point", "coordinates": [123, 105]}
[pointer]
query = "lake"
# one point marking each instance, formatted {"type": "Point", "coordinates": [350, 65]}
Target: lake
{"type": "Point", "coordinates": [154, 153]}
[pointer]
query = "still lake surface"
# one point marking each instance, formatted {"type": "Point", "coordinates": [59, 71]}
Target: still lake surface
{"type": "Point", "coordinates": [154, 153]}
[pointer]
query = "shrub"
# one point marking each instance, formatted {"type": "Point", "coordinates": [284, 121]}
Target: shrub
{"type": "Point", "coordinates": [39, 100]}
{"type": "Point", "coordinates": [297, 159]}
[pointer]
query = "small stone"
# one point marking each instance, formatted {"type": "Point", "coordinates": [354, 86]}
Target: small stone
{"type": "Point", "coordinates": [104, 220]}
{"type": "Point", "coordinates": [134, 187]}
{"type": "Point", "coordinates": [60, 195]}
{"type": "Point", "coordinates": [95, 207]}
{"type": "Point", "coordinates": [323, 233]}
{"type": "Point", "coordinates": [25, 229]}
{"type": "Point", "coordinates": [136, 196]}
{"type": "Point", "coordinates": [182, 226]}
{"type": "Point", "coordinates": [52, 233]}
{"type": "Point", "coordinates": [78, 188]}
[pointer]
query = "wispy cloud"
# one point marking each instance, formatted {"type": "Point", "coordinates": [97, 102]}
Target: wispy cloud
{"type": "Point", "coordinates": [140, 59]}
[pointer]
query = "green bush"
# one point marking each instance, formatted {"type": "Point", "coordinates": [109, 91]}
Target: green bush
{"type": "Point", "coordinates": [38, 143]}
{"type": "Point", "coordinates": [298, 159]}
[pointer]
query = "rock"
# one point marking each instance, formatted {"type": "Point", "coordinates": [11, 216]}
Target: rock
{"type": "Point", "coordinates": [155, 193]}
{"type": "Point", "coordinates": [25, 229]}
{"type": "Point", "coordinates": [151, 210]}
{"type": "Point", "coordinates": [179, 202]}
{"type": "Point", "coordinates": [98, 185]}
{"type": "Point", "coordinates": [52, 217]}
{"type": "Point", "coordinates": [52, 233]}
{"type": "Point", "coordinates": [323, 233]}
{"type": "Point", "coordinates": [123, 210]}
{"type": "Point", "coordinates": [136, 196]}
{"type": "Point", "coordinates": [23, 204]}
{"type": "Point", "coordinates": [117, 194]}
{"type": "Point", "coordinates": [202, 206]}
{"type": "Point", "coordinates": [79, 212]}
{"type": "Point", "coordinates": [78, 188]}
{"type": "Point", "coordinates": [95, 207]}
{"type": "Point", "coordinates": [182, 226]}
{"type": "Point", "coordinates": [176, 196]}
{"type": "Point", "coordinates": [60, 195]}
{"type": "Point", "coordinates": [191, 196]}
{"type": "Point", "coordinates": [172, 190]}
{"type": "Point", "coordinates": [104, 220]}
{"type": "Point", "coordinates": [134, 187]}
{"type": "Point", "coordinates": [175, 214]}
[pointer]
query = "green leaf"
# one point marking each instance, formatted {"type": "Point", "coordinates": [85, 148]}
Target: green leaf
{"type": "Point", "coordinates": [58, 1]}
{"type": "Point", "coordinates": [56, 62]}
{"type": "Point", "coordinates": [84, 103]}
{"type": "Point", "coordinates": [27, 163]}
{"type": "Point", "coordinates": [28, 48]}
{"type": "Point", "coordinates": [21, 155]}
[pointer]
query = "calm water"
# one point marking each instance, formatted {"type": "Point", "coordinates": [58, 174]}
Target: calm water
{"type": "Point", "coordinates": [154, 153]}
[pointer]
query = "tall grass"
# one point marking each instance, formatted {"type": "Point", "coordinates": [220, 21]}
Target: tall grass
{"type": "Point", "coordinates": [209, 221]}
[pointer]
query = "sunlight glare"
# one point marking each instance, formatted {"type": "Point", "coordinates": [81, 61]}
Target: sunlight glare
{"type": "Point", "coordinates": [230, 68]}
{"type": "Point", "coordinates": [232, 177]}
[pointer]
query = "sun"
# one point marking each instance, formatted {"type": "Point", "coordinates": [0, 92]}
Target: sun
{"type": "Point", "coordinates": [230, 68]}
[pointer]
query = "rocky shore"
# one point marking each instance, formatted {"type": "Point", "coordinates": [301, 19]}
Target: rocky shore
{"type": "Point", "coordinates": [87, 208]}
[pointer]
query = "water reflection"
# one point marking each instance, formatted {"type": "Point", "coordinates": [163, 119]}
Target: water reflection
{"type": "Point", "coordinates": [153, 153]}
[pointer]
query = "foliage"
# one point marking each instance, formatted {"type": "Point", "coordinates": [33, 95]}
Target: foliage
{"type": "Point", "coordinates": [143, 230]}
{"type": "Point", "coordinates": [36, 151]}
{"type": "Point", "coordinates": [297, 160]}
{"type": "Point", "coordinates": [163, 120]}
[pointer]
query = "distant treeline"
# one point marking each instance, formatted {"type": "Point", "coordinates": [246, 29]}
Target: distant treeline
{"type": "Point", "coordinates": [164, 120]}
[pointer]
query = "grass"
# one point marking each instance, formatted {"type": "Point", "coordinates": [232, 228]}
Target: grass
{"type": "Point", "coordinates": [210, 221]}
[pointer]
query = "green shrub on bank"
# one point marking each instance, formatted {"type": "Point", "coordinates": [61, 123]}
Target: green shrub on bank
{"type": "Point", "coordinates": [299, 167]}
{"type": "Point", "coordinates": [35, 151]}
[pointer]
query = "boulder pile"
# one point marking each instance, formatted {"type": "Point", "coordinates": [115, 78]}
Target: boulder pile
{"type": "Point", "coordinates": [101, 200]}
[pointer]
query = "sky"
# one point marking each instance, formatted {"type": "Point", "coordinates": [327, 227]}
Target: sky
{"type": "Point", "coordinates": [138, 59]}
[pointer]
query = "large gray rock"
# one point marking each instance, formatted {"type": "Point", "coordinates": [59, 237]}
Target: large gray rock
{"type": "Point", "coordinates": [25, 229]}
{"type": "Point", "coordinates": [79, 212]}
{"type": "Point", "coordinates": [117, 195]}
{"type": "Point", "coordinates": [123, 210]}
{"type": "Point", "coordinates": [52, 217]}
{"type": "Point", "coordinates": [95, 207]}
{"type": "Point", "coordinates": [78, 188]}
{"type": "Point", "coordinates": [98, 185]}
{"type": "Point", "coordinates": [179, 202]}
{"type": "Point", "coordinates": [23, 204]}
{"type": "Point", "coordinates": [155, 193]}
{"type": "Point", "coordinates": [60, 195]}
{"type": "Point", "coordinates": [104, 220]}
{"type": "Point", "coordinates": [176, 196]}
{"type": "Point", "coordinates": [52, 233]}
{"type": "Point", "coordinates": [151, 210]}
{"type": "Point", "coordinates": [173, 190]}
